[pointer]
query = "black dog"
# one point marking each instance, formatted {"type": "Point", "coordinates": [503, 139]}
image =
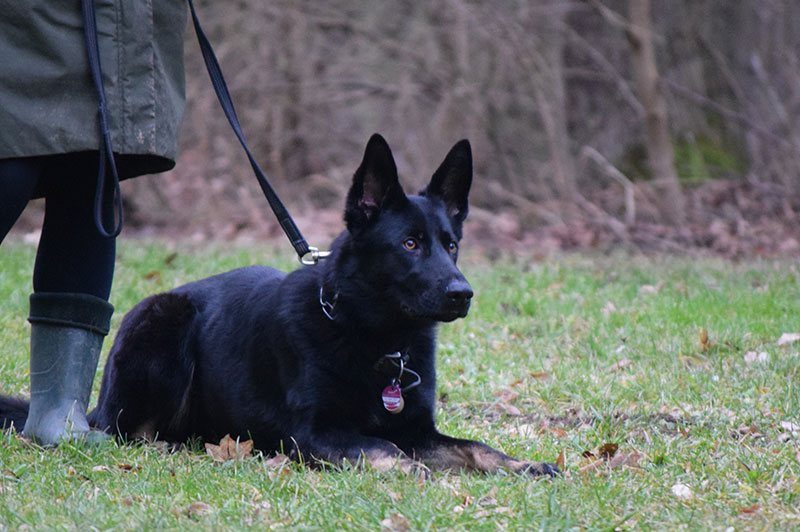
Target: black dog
{"type": "Point", "coordinates": [332, 362]}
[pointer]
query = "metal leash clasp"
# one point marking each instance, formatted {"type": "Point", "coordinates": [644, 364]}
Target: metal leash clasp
{"type": "Point", "coordinates": [313, 256]}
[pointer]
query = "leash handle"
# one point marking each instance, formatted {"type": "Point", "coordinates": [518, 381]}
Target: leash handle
{"type": "Point", "coordinates": [106, 154]}
{"type": "Point", "coordinates": [220, 87]}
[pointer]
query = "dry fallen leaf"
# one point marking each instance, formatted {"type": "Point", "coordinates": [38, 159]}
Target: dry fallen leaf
{"type": "Point", "coordinates": [788, 338]}
{"type": "Point", "coordinates": [630, 459]}
{"type": "Point", "coordinates": [199, 509]}
{"type": "Point", "coordinates": [539, 374]}
{"type": "Point", "coordinates": [506, 395]}
{"type": "Point", "coordinates": [396, 522]}
{"type": "Point", "coordinates": [607, 450]}
{"type": "Point", "coordinates": [682, 491]}
{"type": "Point", "coordinates": [751, 357]}
{"type": "Point", "coordinates": [622, 364]}
{"type": "Point", "coordinates": [560, 460]}
{"type": "Point", "coordinates": [703, 340]}
{"type": "Point", "coordinates": [651, 289]}
{"type": "Point", "coordinates": [229, 449]}
{"type": "Point", "coordinates": [750, 509]}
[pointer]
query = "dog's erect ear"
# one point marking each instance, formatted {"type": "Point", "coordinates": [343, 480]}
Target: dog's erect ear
{"type": "Point", "coordinates": [375, 185]}
{"type": "Point", "coordinates": [451, 181]}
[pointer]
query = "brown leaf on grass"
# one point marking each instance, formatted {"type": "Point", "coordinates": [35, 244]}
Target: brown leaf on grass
{"type": "Point", "coordinates": [751, 357]}
{"type": "Point", "coordinates": [129, 501]}
{"type": "Point", "coordinates": [651, 289]}
{"type": "Point", "coordinates": [790, 426]}
{"type": "Point", "coordinates": [561, 433]}
{"type": "Point", "coordinates": [229, 449]}
{"type": "Point", "coordinates": [703, 340]}
{"type": "Point", "coordinates": [560, 460]}
{"type": "Point", "coordinates": [607, 450]}
{"type": "Point", "coordinates": [153, 275]}
{"type": "Point", "coordinates": [279, 460]}
{"type": "Point", "coordinates": [750, 509]}
{"type": "Point", "coordinates": [539, 374]}
{"type": "Point", "coordinates": [630, 459]}
{"type": "Point", "coordinates": [788, 338]}
{"type": "Point", "coordinates": [682, 491]}
{"type": "Point", "coordinates": [622, 364]}
{"type": "Point", "coordinates": [396, 522]}
{"type": "Point", "coordinates": [199, 509]}
{"type": "Point", "coordinates": [277, 466]}
{"type": "Point", "coordinates": [506, 395]}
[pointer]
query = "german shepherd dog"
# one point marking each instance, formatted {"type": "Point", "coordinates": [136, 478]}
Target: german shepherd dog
{"type": "Point", "coordinates": [331, 363]}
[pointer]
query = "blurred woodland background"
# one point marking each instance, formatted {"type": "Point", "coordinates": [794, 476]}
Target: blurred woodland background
{"type": "Point", "coordinates": [670, 125]}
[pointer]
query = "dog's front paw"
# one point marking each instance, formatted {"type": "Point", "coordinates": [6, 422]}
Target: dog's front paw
{"type": "Point", "coordinates": [412, 468]}
{"type": "Point", "coordinates": [538, 469]}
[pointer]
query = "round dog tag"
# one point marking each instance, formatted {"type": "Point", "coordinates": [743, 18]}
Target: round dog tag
{"type": "Point", "coordinates": [393, 399]}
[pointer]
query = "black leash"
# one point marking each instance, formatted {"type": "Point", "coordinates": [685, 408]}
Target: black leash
{"type": "Point", "coordinates": [306, 253]}
{"type": "Point", "coordinates": [106, 154]}
{"type": "Point", "coordinates": [220, 87]}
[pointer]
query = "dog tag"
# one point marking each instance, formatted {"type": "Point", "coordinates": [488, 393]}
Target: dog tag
{"type": "Point", "coordinates": [393, 399]}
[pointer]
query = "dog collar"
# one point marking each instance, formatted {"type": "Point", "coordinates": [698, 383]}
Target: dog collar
{"type": "Point", "coordinates": [328, 307]}
{"type": "Point", "coordinates": [394, 365]}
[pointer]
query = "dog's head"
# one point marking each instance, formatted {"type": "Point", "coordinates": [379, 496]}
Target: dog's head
{"type": "Point", "coordinates": [407, 246]}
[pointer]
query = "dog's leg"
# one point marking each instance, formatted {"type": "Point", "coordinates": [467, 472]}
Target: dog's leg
{"type": "Point", "coordinates": [336, 448]}
{"type": "Point", "coordinates": [147, 379]}
{"type": "Point", "coordinates": [444, 452]}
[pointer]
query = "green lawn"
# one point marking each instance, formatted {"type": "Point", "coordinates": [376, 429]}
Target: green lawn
{"type": "Point", "coordinates": [556, 360]}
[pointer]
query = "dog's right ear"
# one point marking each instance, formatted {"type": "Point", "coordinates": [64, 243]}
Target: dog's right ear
{"type": "Point", "coordinates": [375, 185]}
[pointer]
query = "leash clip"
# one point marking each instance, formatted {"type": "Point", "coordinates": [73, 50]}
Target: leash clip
{"type": "Point", "coordinates": [313, 256]}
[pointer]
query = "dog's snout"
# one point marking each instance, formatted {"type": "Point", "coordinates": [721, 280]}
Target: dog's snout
{"type": "Point", "coordinates": [459, 290]}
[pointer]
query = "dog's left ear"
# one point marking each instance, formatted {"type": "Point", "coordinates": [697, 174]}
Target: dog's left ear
{"type": "Point", "coordinates": [375, 185]}
{"type": "Point", "coordinates": [451, 181]}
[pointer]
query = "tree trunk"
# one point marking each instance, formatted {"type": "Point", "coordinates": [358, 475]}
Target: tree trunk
{"type": "Point", "coordinates": [657, 136]}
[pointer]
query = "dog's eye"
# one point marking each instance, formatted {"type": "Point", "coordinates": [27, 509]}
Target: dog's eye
{"type": "Point", "coordinates": [452, 247]}
{"type": "Point", "coordinates": [411, 244]}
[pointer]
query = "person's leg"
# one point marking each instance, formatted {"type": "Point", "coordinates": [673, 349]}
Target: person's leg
{"type": "Point", "coordinates": [18, 178]}
{"type": "Point", "coordinates": [70, 314]}
{"type": "Point", "coordinates": [73, 256]}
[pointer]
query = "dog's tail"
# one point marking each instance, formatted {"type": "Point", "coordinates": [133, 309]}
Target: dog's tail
{"type": "Point", "coordinates": [13, 412]}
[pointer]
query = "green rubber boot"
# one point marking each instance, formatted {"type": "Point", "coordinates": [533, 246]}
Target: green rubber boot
{"type": "Point", "coordinates": [67, 332]}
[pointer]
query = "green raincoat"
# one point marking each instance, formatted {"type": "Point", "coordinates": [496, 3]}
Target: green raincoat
{"type": "Point", "coordinates": [48, 103]}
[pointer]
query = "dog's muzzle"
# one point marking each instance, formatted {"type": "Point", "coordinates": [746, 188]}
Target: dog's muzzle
{"type": "Point", "coordinates": [459, 294]}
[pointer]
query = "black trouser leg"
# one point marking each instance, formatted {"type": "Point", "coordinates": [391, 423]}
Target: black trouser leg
{"type": "Point", "coordinates": [18, 177]}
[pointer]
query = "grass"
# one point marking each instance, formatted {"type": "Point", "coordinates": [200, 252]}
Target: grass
{"type": "Point", "coordinates": [556, 359]}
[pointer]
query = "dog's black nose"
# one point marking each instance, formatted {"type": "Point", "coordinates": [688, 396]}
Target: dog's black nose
{"type": "Point", "coordinates": [459, 291]}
